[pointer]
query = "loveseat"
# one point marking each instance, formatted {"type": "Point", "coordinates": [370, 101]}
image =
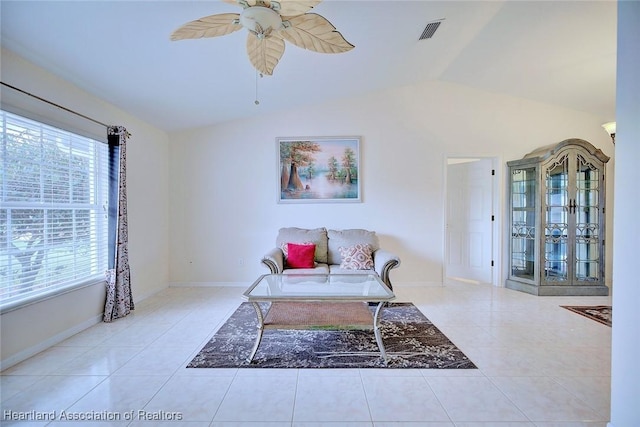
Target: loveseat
{"type": "Point", "coordinates": [322, 251]}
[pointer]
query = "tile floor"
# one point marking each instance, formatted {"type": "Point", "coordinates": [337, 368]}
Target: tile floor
{"type": "Point", "coordinates": [539, 365]}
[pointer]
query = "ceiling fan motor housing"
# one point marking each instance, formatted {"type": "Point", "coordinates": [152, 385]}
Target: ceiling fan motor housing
{"type": "Point", "coordinates": [260, 20]}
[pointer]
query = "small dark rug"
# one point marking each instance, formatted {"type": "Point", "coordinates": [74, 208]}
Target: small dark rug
{"type": "Point", "coordinates": [410, 339]}
{"type": "Point", "coordinates": [599, 313]}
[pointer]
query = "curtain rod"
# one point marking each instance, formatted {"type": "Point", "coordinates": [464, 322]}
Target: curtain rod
{"type": "Point", "coordinates": [54, 104]}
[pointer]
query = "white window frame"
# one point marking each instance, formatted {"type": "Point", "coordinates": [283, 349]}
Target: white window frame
{"type": "Point", "coordinates": [93, 239]}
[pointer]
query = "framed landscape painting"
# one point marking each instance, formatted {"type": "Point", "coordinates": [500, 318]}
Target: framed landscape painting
{"type": "Point", "coordinates": [319, 169]}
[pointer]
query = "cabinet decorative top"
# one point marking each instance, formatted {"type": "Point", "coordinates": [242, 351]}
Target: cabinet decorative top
{"type": "Point", "coordinates": [543, 153]}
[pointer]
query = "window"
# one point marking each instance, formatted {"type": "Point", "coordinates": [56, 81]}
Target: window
{"type": "Point", "coordinates": [53, 211]}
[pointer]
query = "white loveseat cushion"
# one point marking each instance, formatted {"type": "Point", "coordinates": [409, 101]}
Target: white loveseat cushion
{"type": "Point", "coordinates": [318, 269]}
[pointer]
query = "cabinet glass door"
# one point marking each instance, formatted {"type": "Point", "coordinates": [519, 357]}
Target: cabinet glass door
{"type": "Point", "coordinates": [587, 206]}
{"type": "Point", "coordinates": [523, 223]}
{"type": "Point", "coordinates": [556, 221]}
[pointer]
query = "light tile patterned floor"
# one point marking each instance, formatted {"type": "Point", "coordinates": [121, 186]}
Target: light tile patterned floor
{"type": "Point", "coordinates": [539, 365]}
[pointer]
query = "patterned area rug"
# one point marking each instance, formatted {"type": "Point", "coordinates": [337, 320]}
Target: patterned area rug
{"type": "Point", "coordinates": [410, 339]}
{"type": "Point", "coordinates": [599, 313]}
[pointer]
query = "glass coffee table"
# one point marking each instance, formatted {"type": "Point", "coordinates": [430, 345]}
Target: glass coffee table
{"type": "Point", "coordinates": [322, 301]}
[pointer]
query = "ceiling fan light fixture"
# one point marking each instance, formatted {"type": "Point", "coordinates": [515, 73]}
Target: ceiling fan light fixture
{"type": "Point", "coordinates": [260, 20]}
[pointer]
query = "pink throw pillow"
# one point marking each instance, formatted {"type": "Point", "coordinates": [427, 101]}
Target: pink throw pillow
{"type": "Point", "coordinates": [300, 256]}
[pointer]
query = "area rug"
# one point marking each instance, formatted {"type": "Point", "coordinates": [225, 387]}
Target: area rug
{"type": "Point", "coordinates": [410, 339]}
{"type": "Point", "coordinates": [599, 313]}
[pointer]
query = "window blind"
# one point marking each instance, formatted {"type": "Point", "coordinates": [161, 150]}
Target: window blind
{"type": "Point", "coordinates": [53, 211]}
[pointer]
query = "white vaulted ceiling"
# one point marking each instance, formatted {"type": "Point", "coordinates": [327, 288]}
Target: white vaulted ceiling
{"type": "Point", "coordinates": [559, 52]}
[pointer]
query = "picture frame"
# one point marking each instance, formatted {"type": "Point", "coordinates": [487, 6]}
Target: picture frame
{"type": "Point", "coordinates": [319, 169]}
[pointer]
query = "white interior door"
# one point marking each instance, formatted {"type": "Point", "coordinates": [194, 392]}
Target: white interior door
{"type": "Point", "coordinates": [469, 228]}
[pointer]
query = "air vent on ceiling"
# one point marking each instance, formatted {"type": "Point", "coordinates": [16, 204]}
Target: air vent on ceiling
{"type": "Point", "coordinates": [430, 30]}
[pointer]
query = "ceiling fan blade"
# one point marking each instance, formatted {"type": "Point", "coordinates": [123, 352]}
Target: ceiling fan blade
{"type": "Point", "coordinates": [265, 53]}
{"type": "Point", "coordinates": [296, 7]}
{"type": "Point", "coordinates": [314, 32]}
{"type": "Point", "coordinates": [208, 26]}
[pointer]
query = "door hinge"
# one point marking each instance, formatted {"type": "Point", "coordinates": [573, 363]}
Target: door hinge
{"type": "Point", "coordinates": [493, 172]}
{"type": "Point", "coordinates": [493, 217]}
{"type": "Point", "coordinates": [491, 263]}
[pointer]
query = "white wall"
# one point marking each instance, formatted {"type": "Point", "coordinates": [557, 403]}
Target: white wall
{"type": "Point", "coordinates": [31, 329]}
{"type": "Point", "coordinates": [224, 178]}
{"type": "Point", "coordinates": [625, 338]}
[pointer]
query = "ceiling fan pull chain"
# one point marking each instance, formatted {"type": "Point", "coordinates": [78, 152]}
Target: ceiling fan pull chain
{"type": "Point", "coordinates": [257, 102]}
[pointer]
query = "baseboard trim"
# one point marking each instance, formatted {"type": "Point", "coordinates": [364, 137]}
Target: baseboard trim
{"type": "Point", "coordinates": [58, 338]}
{"type": "Point", "coordinates": [50, 342]}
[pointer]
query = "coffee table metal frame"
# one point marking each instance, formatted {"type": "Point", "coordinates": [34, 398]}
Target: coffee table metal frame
{"type": "Point", "coordinates": [366, 287]}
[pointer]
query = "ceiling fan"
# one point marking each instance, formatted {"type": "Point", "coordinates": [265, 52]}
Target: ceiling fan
{"type": "Point", "coordinates": [270, 23]}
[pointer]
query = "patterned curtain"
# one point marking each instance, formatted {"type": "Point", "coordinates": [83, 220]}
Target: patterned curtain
{"type": "Point", "coordinates": [118, 277]}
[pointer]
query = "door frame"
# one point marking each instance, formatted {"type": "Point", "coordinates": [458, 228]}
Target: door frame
{"type": "Point", "coordinates": [497, 195]}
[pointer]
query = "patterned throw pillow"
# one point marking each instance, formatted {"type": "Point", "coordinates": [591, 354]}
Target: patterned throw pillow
{"type": "Point", "coordinates": [356, 257]}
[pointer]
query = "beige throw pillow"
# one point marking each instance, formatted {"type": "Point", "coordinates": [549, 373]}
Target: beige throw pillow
{"type": "Point", "coordinates": [356, 257]}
